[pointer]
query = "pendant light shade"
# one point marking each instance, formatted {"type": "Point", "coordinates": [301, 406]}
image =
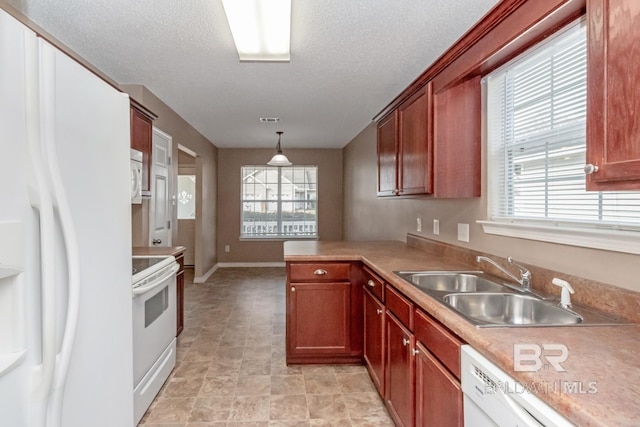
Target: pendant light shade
{"type": "Point", "coordinates": [279, 159]}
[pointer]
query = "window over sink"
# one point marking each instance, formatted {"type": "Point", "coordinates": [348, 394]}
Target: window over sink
{"type": "Point", "coordinates": [279, 202]}
{"type": "Point", "coordinates": [536, 130]}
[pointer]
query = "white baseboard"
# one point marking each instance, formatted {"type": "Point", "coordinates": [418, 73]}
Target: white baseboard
{"type": "Point", "coordinates": [250, 264]}
{"type": "Point", "coordinates": [205, 277]}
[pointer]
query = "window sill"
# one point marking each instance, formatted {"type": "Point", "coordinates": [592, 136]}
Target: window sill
{"type": "Point", "coordinates": [605, 239]}
{"type": "Point", "coordinates": [275, 238]}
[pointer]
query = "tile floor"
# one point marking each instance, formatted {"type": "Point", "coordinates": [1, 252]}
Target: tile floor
{"type": "Point", "coordinates": [231, 367]}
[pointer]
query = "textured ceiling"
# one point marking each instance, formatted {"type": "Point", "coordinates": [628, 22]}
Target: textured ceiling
{"type": "Point", "coordinates": [349, 59]}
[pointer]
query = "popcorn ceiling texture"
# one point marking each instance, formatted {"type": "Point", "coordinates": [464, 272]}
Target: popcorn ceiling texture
{"type": "Point", "coordinates": [348, 60]}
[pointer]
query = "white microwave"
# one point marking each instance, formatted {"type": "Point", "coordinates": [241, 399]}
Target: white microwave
{"type": "Point", "coordinates": [136, 177]}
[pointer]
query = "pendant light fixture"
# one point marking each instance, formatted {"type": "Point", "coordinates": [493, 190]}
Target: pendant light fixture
{"type": "Point", "coordinates": [279, 159]}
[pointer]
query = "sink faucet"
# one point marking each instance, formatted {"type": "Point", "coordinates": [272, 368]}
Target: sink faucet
{"type": "Point", "coordinates": [525, 275]}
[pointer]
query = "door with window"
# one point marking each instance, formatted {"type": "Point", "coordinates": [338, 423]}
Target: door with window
{"type": "Point", "coordinates": [160, 207]}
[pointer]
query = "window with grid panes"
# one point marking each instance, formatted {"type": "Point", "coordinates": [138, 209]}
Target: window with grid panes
{"type": "Point", "coordinates": [279, 202]}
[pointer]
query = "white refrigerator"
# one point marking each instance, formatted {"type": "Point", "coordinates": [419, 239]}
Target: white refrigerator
{"type": "Point", "coordinates": [65, 240]}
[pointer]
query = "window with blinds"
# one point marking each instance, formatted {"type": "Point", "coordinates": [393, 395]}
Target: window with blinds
{"type": "Point", "coordinates": [279, 202]}
{"type": "Point", "coordinates": [536, 123]}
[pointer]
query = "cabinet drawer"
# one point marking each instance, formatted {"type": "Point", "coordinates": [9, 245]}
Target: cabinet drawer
{"type": "Point", "coordinates": [442, 343]}
{"type": "Point", "coordinates": [331, 271]}
{"type": "Point", "coordinates": [399, 306]}
{"type": "Point", "coordinates": [374, 284]}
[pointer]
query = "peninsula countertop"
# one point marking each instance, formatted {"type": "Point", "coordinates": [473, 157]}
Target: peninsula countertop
{"type": "Point", "coordinates": [603, 360]}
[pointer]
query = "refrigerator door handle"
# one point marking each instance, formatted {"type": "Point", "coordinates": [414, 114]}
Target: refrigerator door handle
{"type": "Point", "coordinates": [67, 229]}
{"type": "Point", "coordinates": [40, 199]}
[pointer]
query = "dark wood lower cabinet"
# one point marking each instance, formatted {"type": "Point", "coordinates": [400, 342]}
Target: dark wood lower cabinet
{"type": "Point", "coordinates": [180, 294]}
{"type": "Point", "coordinates": [324, 312]}
{"type": "Point", "coordinates": [319, 319]}
{"type": "Point", "coordinates": [400, 372]}
{"type": "Point", "coordinates": [374, 356]}
{"type": "Point", "coordinates": [339, 313]}
{"type": "Point", "coordinates": [438, 393]}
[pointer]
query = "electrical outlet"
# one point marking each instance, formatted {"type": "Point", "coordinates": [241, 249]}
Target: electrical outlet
{"type": "Point", "coordinates": [436, 226]}
{"type": "Point", "coordinates": [418, 224]}
{"type": "Point", "coordinates": [463, 232]}
{"type": "Point", "coordinates": [227, 248]}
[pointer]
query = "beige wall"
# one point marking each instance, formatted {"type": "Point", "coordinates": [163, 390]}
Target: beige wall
{"type": "Point", "coordinates": [367, 217]}
{"type": "Point", "coordinates": [329, 164]}
{"type": "Point", "coordinates": [206, 169]}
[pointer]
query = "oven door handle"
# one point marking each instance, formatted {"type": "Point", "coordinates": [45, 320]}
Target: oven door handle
{"type": "Point", "coordinates": [157, 282]}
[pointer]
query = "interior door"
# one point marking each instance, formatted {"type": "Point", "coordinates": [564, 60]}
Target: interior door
{"type": "Point", "coordinates": [160, 207]}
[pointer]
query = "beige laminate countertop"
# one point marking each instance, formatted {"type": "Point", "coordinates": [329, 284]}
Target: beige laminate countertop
{"type": "Point", "coordinates": [605, 358]}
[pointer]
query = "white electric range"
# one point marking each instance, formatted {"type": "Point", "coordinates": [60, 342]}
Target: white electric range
{"type": "Point", "coordinates": [154, 327]}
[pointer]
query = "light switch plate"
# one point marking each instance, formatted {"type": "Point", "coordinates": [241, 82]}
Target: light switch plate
{"type": "Point", "coordinates": [436, 226]}
{"type": "Point", "coordinates": [463, 232]}
{"type": "Point", "coordinates": [418, 224]}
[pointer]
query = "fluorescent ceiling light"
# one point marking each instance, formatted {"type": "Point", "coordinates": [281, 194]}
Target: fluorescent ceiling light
{"type": "Point", "coordinates": [261, 29]}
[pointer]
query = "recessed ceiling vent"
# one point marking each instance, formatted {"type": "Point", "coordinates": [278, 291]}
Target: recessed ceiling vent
{"type": "Point", "coordinates": [269, 119]}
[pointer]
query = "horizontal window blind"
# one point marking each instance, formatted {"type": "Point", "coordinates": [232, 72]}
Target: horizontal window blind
{"type": "Point", "coordinates": [536, 122]}
{"type": "Point", "coordinates": [279, 202]}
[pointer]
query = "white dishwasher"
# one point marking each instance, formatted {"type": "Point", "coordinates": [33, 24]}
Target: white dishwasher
{"type": "Point", "coordinates": [493, 398]}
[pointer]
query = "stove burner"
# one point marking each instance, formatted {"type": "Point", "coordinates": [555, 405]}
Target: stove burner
{"type": "Point", "coordinates": [140, 264]}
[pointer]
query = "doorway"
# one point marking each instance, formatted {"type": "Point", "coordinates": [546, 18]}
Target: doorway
{"type": "Point", "coordinates": [187, 200]}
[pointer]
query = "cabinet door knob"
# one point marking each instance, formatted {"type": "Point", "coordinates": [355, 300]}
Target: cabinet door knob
{"type": "Point", "coordinates": [589, 169]}
{"type": "Point", "coordinates": [371, 283]}
{"type": "Point", "coordinates": [293, 289]}
{"type": "Point", "coordinates": [415, 352]}
{"type": "Point", "coordinates": [405, 342]}
{"type": "Point", "coordinates": [320, 272]}
{"type": "Point", "coordinates": [378, 310]}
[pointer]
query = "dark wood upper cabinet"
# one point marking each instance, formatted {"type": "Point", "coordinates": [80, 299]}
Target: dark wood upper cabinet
{"type": "Point", "coordinates": [141, 133]}
{"type": "Point", "coordinates": [439, 155]}
{"type": "Point", "coordinates": [457, 140]}
{"type": "Point", "coordinates": [405, 150]}
{"type": "Point", "coordinates": [388, 155]}
{"type": "Point", "coordinates": [415, 149]}
{"type": "Point", "coordinates": [437, 144]}
{"type": "Point", "coordinates": [613, 95]}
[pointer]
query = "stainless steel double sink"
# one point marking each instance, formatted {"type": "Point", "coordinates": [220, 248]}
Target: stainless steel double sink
{"type": "Point", "coordinates": [487, 301]}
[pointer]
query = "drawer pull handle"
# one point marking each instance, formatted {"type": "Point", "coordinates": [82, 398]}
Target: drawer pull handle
{"type": "Point", "coordinates": [378, 310]}
{"type": "Point", "coordinates": [320, 272]}
{"type": "Point", "coordinates": [293, 289]}
{"type": "Point", "coordinates": [405, 342]}
{"type": "Point", "coordinates": [371, 283]}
